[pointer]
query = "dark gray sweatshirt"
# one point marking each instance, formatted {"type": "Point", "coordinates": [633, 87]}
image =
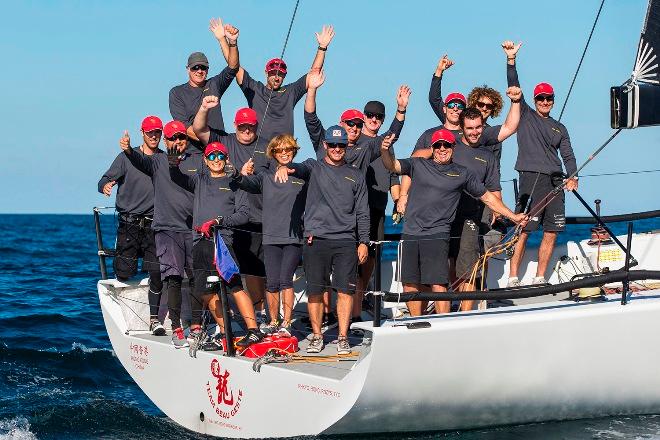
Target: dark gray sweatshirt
{"type": "Point", "coordinates": [135, 191]}
{"type": "Point", "coordinates": [336, 206]}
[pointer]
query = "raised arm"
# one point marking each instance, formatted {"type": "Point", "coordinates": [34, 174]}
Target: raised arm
{"type": "Point", "coordinates": [312, 121]}
{"type": "Point", "coordinates": [227, 36]}
{"type": "Point", "coordinates": [435, 91]}
{"type": "Point", "coordinates": [201, 122]}
{"type": "Point", "coordinates": [323, 38]}
{"type": "Point", "coordinates": [142, 162]}
{"type": "Point", "coordinates": [390, 162]}
{"type": "Point", "coordinates": [510, 125]}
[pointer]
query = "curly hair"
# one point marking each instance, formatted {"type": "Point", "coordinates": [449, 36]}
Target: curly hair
{"type": "Point", "coordinates": [279, 141]}
{"type": "Point", "coordinates": [489, 93]}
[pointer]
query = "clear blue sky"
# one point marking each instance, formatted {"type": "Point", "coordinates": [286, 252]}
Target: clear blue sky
{"type": "Point", "coordinates": [77, 73]}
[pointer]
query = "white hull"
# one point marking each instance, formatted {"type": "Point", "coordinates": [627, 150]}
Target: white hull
{"type": "Point", "coordinates": [527, 363]}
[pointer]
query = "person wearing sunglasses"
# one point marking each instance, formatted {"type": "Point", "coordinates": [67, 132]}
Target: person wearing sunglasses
{"type": "Point", "coordinates": [218, 204]}
{"type": "Point", "coordinates": [282, 228]}
{"type": "Point", "coordinates": [336, 234]}
{"type": "Point", "coordinates": [380, 182]}
{"type": "Point", "coordinates": [172, 223]}
{"type": "Point", "coordinates": [362, 149]}
{"type": "Point", "coordinates": [185, 99]}
{"type": "Point", "coordinates": [244, 146]}
{"type": "Point", "coordinates": [135, 206]}
{"type": "Point", "coordinates": [541, 140]}
{"type": "Point", "coordinates": [435, 193]}
{"type": "Point", "coordinates": [274, 96]}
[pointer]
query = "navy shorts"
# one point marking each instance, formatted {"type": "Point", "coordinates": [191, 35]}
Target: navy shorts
{"type": "Point", "coordinates": [424, 259]}
{"type": "Point", "coordinates": [174, 251]}
{"type": "Point", "coordinates": [552, 217]}
{"type": "Point", "coordinates": [330, 257]}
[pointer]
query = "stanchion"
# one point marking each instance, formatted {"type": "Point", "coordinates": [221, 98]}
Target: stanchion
{"type": "Point", "coordinates": [626, 282]}
{"type": "Point", "coordinates": [226, 317]}
{"type": "Point", "coordinates": [602, 224]}
{"type": "Point", "coordinates": [378, 299]}
{"type": "Point", "coordinates": [515, 190]}
{"type": "Point", "coordinates": [99, 245]}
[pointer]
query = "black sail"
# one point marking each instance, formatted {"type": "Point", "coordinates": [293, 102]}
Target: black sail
{"type": "Point", "coordinates": [636, 103]}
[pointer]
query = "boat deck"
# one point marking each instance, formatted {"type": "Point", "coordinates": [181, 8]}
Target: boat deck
{"type": "Point", "coordinates": [326, 364]}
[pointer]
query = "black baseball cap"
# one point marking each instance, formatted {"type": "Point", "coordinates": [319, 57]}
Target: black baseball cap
{"type": "Point", "coordinates": [375, 107]}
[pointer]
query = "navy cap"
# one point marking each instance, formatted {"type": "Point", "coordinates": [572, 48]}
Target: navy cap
{"type": "Point", "coordinates": [336, 135]}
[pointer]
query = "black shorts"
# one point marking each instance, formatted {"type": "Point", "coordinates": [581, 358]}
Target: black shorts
{"type": "Point", "coordinates": [330, 257]}
{"type": "Point", "coordinates": [464, 245]}
{"type": "Point", "coordinates": [552, 217]}
{"type": "Point", "coordinates": [203, 254]}
{"type": "Point", "coordinates": [424, 259]}
{"type": "Point", "coordinates": [133, 242]}
{"type": "Point", "coordinates": [376, 228]}
{"type": "Point", "coordinates": [249, 249]}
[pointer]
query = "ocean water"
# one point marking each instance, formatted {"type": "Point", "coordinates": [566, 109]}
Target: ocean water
{"type": "Point", "coordinates": [59, 378]}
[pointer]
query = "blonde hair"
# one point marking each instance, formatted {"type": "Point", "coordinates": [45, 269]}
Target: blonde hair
{"type": "Point", "coordinates": [280, 141]}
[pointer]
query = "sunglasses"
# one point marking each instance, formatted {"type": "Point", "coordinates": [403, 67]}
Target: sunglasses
{"type": "Point", "coordinates": [336, 146]}
{"type": "Point", "coordinates": [485, 105]}
{"type": "Point", "coordinates": [277, 73]}
{"type": "Point", "coordinates": [458, 105]}
{"type": "Point", "coordinates": [283, 150]}
{"type": "Point", "coordinates": [375, 115]}
{"type": "Point", "coordinates": [443, 144]}
{"type": "Point", "coordinates": [213, 156]}
{"type": "Point", "coordinates": [178, 137]}
{"type": "Point", "coordinates": [549, 98]}
{"type": "Point", "coordinates": [354, 124]}
{"type": "Point", "coordinates": [199, 67]}
{"type": "Point", "coordinates": [154, 133]}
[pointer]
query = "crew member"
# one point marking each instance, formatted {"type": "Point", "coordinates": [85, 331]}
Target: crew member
{"type": "Point", "coordinates": [540, 139]}
{"type": "Point", "coordinates": [185, 99]}
{"type": "Point", "coordinates": [336, 223]}
{"type": "Point", "coordinates": [273, 101]}
{"type": "Point", "coordinates": [218, 203]}
{"type": "Point", "coordinates": [173, 209]}
{"type": "Point", "coordinates": [361, 150]}
{"type": "Point", "coordinates": [135, 205]}
{"type": "Point", "coordinates": [282, 228]}
{"type": "Point", "coordinates": [244, 147]}
{"type": "Point", "coordinates": [434, 196]}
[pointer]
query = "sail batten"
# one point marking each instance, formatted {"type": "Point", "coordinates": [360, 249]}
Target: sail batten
{"type": "Point", "coordinates": [635, 103]}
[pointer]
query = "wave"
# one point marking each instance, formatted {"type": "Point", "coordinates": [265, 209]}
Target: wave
{"type": "Point", "coordinates": [17, 428]}
{"type": "Point", "coordinates": [105, 418]}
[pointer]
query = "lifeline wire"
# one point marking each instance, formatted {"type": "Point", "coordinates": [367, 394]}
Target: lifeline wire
{"type": "Point", "coordinates": [581, 59]}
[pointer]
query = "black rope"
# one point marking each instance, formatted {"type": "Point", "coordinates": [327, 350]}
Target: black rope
{"type": "Point", "coordinates": [581, 59]}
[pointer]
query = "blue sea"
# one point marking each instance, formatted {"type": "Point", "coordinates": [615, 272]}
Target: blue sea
{"type": "Point", "coordinates": [59, 378]}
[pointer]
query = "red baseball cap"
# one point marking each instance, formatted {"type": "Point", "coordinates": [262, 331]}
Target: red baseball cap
{"type": "Point", "coordinates": [442, 135]}
{"type": "Point", "coordinates": [352, 114]}
{"type": "Point", "coordinates": [455, 97]}
{"type": "Point", "coordinates": [276, 64]}
{"type": "Point", "coordinates": [543, 89]}
{"type": "Point", "coordinates": [215, 147]}
{"type": "Point", "coordinates": [246, 116]}
{"type": "Point", "coordinates": [174, 127]}
{"type": "Point", "coordinates": [151, 123]}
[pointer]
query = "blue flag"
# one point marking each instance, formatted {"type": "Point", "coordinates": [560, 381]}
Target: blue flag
{"type": "Point", "coordinates": [225, 264]}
